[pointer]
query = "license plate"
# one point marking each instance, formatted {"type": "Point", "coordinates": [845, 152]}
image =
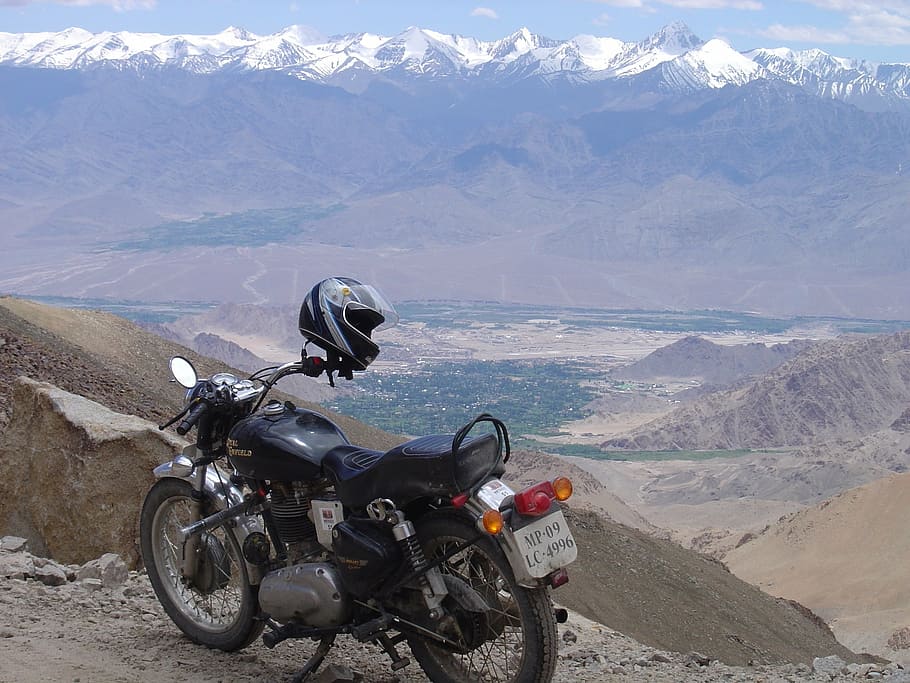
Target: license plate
{"type": "Point", "coordinates": [546, 545]}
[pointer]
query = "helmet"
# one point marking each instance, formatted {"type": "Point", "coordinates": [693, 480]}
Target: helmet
{"type": "Point", "coordinates": [340, 313]}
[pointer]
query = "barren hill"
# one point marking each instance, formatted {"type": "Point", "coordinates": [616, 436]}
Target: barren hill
{"type": "Point", "coordinates": [112, 361]}
{"type": "Point", "coordinates": [697, 357]}
{"type": "Point", "coordinates": [839, 389]}
{"type": "Point", "coordinates": [649, 587]}
{"type": "Point", "coordinates": [847, 560]}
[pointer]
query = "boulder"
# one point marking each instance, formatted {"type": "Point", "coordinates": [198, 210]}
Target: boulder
{"type": "Point", "coordinates": [73, 474]}
{"type": "Point", "coordinates": [110, 569]}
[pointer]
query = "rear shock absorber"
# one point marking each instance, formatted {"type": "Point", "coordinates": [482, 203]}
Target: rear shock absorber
{"type": "Point", "coordinates": [431, 584]}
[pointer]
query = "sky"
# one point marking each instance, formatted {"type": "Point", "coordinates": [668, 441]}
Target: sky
{"type": "Point", "coordinates": [878, 30]}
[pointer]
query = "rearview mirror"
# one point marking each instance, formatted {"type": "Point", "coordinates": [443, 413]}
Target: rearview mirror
{"type": "Point", "coordinates": [183, 372]}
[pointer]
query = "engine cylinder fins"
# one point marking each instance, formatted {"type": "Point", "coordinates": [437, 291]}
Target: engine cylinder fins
{"type": "Point", "coordinates": [291, 512]}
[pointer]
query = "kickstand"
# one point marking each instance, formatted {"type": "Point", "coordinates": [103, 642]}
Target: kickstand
{"type": "Point", "coordinates": [315, 661]}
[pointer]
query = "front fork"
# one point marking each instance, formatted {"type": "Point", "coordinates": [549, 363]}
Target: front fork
{"type": "Point", "coordinates": [211, 490]}
{"type": "Point", "coordinates": [190, 560]}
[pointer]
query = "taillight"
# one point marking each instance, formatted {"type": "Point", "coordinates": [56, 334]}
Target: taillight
{"type": "Point", "coordinates": [535, 500]}
{"type": "Point", "coordinates": [562, 488]}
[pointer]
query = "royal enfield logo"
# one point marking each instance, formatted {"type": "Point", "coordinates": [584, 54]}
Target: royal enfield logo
{"type": "Point", "coordinates": [235, 452]}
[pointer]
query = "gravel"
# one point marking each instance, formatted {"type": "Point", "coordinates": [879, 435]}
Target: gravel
{"type": "Point", "coordinates": [108, 626]}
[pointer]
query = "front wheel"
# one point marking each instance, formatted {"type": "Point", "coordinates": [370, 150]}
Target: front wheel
{"type": "Point", "coordinates": [217, 608]}
{"type": "Point", "coordinates": [518, 643]}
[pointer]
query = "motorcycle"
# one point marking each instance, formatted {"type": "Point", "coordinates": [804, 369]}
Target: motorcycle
{"type": "Point", "coordinates": [272, 521]}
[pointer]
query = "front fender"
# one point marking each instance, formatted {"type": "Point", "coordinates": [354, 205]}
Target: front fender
{"type": "Point", "coordinates": [217, 488]}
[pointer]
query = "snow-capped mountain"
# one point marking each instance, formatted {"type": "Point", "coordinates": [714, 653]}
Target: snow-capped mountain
{"type": "Point", "coordinates": [674, 58]}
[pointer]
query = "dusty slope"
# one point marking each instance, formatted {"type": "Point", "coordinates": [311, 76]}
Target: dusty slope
{"type": "Point", "coordinates": [847, 560]}
{"type": "Point", "coordinates": [112, 361]}
{"type": "Point", "coordinates": [672, 598]}
{"type": "Point", "coordinates": [653, 589]}
{"type": "Point", "coordinates": [119, 634]}
{"type": "Point", "coordinates": [838, 389]}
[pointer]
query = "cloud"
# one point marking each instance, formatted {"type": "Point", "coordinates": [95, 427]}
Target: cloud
{"type": "Point", "coordinates": [116, 5]}
{"type": "Point", "coordinates": [484, 12]}
{"type": "Point", "coordinates": [882, 22]}
{"type": "Point", "coordinates": [686, 4]}
{"type": "Point", "coordinates": [601, 19]}
{"type": "Point", "coordinates": [751, 5]}
{"type": "Point", "coordinates": [621, 3]}
{"type": "Point", "coordinates": [803, 34]}
{"type": "Point", "coordinates": [862, 6]}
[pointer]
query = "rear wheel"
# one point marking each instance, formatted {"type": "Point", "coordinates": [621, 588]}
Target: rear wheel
{"type": "Point", "coordinates": [516, 642]}
{"type": "Point", "coordinates": [217, 608]}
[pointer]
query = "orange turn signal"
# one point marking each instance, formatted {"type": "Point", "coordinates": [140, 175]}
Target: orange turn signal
{"type": "Point", "coordinates": [562, 488]}
{"type": "Point", "coordinates": [492, 522]}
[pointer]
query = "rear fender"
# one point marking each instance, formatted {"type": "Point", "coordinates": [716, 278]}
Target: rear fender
{"type": "Point", "coordinates": [218, 489]}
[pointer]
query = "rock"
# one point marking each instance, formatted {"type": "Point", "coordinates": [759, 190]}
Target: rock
{"type": "Point", "coordinates": [17, 566]}
{"type": "Point", "coordinates": [661, 657]}
{"type": "Point", "coordinates": [831, 665]}
{"type": "Point", "coordinates": [51, 574]}
{"type": "Point", "coordinates": [860, 670]}
{"type": "Point", "coordinates": [900, 639]}
{"type": "Point", "coordinates": [13, 544]}
{"type": "Point", "coordinates": [91, 584]}
{"type": "Point", "coordinates": [67, 446]}
{"type": "Point", "coordinates": [568, 636]}
{"type": "Point", "coordinates": [336, 673]}
{"type": "Point", "coordinates": [697, 659]}
{"type": "Point", "coordinates": [114, 572]}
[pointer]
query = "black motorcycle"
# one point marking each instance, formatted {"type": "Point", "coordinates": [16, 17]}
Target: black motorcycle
{"type": "Point", "coordinates": [274, 520]}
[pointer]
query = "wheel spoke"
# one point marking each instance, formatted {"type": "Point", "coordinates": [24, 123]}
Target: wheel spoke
{"type": "Point", "coordinates": [498, 657]}
{"type": "Point", "coordinates": [214, 606]}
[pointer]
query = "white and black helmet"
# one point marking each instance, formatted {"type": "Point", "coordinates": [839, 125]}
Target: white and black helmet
{"type": "Point", "coordinates": [339, 315]}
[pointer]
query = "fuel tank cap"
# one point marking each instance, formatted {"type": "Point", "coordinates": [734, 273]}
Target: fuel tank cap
{"type": "Point", "coordinates": [273, 408]}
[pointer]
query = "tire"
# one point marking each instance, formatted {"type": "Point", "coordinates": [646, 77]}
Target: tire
{"type": "Point", "coordinates": [218, 609]}
{"type": "Point", "coordinates": [520, 643]}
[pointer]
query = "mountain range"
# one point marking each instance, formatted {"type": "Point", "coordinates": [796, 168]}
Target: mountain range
{"type": "Point", "coordinates": [668, 173]}
{"type": "Point", "coordinates": [674, 57]}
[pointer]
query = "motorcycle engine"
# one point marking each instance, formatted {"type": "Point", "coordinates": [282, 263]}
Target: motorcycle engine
{"type": "Point", "coordinates": [310, 593]}
{"type": "Point", "coordinates": [290, 506]}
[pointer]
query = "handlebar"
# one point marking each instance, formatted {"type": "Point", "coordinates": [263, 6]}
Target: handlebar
{"type": "Point", "coordinates": [190, 420]}
{"type": "Point", "coordinates": [234, 392]}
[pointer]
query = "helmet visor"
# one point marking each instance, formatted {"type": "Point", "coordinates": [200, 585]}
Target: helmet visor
{"type": "Point", "coordinates": [350, 295]}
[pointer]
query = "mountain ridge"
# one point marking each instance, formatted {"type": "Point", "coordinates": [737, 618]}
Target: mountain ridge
{"type": "Point", "coordinates": [687, 61]}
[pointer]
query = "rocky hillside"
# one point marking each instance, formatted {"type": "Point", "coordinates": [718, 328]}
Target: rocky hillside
{"type": "Point", "coordinates": [112, 361]}
{"type": "Point", "coordinates": [839, 389]}
{"type": "Point", "coordinates": [655, 591]}
{"type": "Point", "coordinates": [649, 587]}
{"type": "Point", "coordinates": [845, 558]}
{"type": "Point", "coordinates": [699, 358]}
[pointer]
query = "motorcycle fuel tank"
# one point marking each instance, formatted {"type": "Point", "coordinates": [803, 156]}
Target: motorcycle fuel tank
{"type": "Point", "coordinates": [283, 443]}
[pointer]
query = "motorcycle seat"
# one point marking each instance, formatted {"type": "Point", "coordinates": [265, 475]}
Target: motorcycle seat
{"type": "Point", "coordinates": [422, 467]}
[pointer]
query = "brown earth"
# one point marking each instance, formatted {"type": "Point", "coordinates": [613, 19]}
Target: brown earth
{"type": "Point", "coordinates": [652, 588]}
{"type": "Point", "coordinates": [847, 560]}
{"type": "Point", "coordinates": [110, 360]}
